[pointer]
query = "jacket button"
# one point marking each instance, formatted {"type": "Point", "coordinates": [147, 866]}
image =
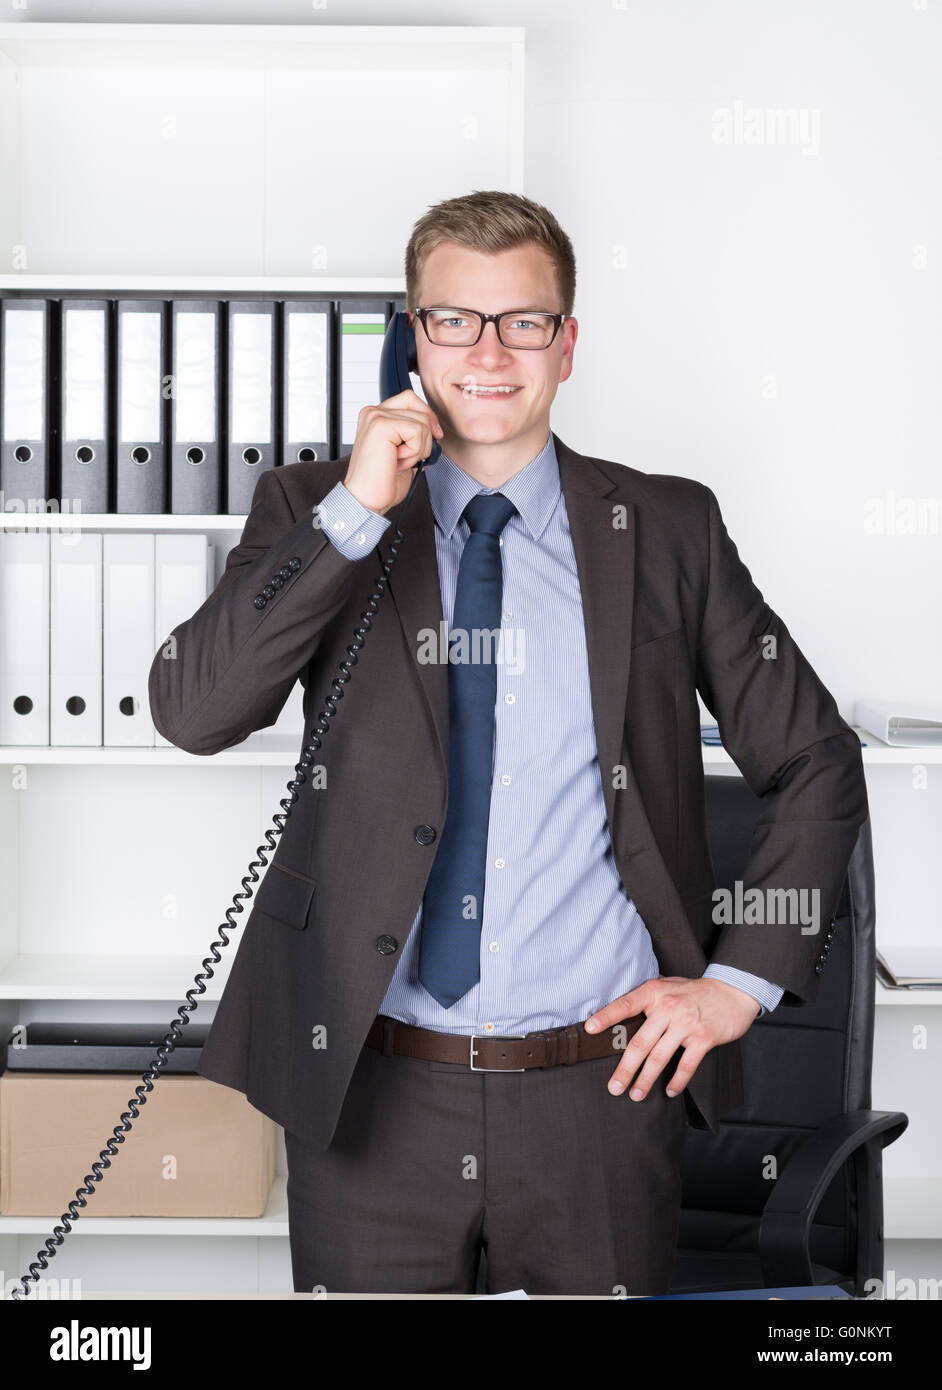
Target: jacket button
{"type": "Point", "coordinates": [260, 600]}
{"type": "Point", "coordinates": [294, 563]}
{"type": "Point", "coordinates": [386, 945]}
{"type": "Point", "coordinates": [818, 968]}
{"type": "Point", "coordinates": [277, 580]}
{"type": "Point", "coordinates": [425, 834]}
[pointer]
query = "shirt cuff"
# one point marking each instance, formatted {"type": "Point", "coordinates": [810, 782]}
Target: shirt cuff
{"type": "Point", "coordinates": [765, 994]}
{"type": "Point", "coordinates": [351, 528]}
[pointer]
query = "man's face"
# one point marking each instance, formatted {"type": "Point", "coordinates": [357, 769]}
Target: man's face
{"type": "Point", "coordinates": [522, 278]}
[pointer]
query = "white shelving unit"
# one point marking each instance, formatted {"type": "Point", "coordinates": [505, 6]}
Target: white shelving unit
{"type": "Point", "coordinates": [244, 150]}
{"type": "Point", "coordinates": [220, 160]}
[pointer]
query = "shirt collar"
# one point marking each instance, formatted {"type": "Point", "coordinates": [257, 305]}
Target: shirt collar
{"type": "Point", "coordinates": [534, 491]}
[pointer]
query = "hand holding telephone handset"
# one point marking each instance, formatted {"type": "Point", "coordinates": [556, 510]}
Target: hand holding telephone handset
{"type": "Point", "coordinates": [413, 421]}
{"type": "Point", "coordinates": [407, 426]}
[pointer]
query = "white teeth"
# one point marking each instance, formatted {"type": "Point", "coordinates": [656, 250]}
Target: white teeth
{"type": "Point", "coordinates": [488, 390]}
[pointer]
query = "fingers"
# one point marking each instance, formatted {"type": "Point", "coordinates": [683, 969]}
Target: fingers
{"type": "Point", "coordinates": [390, 439]}
{"type": "Point", "coordinates": [651, 1045]}
{"type": "Point", "coordinates": [654, 1045]}
{"type": "Point", "coordinates": [416, 432]}
{"type": "Point", "coordinates": [693, 1056]}
{"type": "Point", "coordinates": [625, 1006]}
{"type": "Point", "coordinates": [411, 403]}
{"type": "Point", "coordinates": [680, 1013]}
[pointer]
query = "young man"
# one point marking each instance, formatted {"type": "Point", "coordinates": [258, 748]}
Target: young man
{"type": "Point", "coordinates": [495, 917]}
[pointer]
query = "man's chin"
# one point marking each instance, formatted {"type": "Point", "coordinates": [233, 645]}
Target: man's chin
{"type": "Point", "coordinates": [477, 431]}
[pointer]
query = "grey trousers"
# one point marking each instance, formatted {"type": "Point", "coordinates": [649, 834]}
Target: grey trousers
{"type": "Point", "coordinates": [569, 1189]}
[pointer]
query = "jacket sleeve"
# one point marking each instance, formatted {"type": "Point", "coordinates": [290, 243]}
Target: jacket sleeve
{"type": "Point", "coordinates": [782, 728]}
{"type": "Point", "coordinates": [229, 669]}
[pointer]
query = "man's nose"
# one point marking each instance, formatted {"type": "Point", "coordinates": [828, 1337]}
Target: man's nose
{"type": "Point", "coordinates": [489, 344]}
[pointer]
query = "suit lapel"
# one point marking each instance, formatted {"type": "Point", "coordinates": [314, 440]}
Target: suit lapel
{"type": "Point", "coordinates": [602, 525]}
{"type": "Point", "coordinates": [413, 584]}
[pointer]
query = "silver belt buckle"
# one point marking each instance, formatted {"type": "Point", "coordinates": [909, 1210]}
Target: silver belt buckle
{"type": "Point", "coordinates": [504, 1037]}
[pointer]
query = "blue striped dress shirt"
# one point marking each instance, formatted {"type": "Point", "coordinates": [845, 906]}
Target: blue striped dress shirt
{"type": "Point", "coordinates": [560, 936]}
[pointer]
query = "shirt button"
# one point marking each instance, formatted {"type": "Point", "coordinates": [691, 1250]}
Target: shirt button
{"type": "Point", "coordinates": [505, 779]}
{"type": "Point", "coordinates": [507, 613]}
{"type": "Point", "coordinates": [509, 699]}
{"type": "Point", "coordinates": [489, 1027]}
{"type": "Point", "coordinates": [339, 525]}
{"type": "Point", "coordinates": [493, 947]}
{"type": "Point", "coordinates": [360, 538]}
{"type": "Point", "coordinates": [498, 863]}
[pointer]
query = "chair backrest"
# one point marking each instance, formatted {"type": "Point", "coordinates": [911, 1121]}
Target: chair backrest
{"type": "Point", "coordinates": [801, 1065]}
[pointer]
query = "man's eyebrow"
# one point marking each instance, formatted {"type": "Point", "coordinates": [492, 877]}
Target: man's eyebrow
{"type": "Point", "coordinates": [517, 309]}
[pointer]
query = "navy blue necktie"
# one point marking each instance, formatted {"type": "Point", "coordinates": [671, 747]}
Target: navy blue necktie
{"type": "Point", "coordinates": [452, 908]}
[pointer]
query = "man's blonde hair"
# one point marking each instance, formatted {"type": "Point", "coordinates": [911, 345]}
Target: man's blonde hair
{"type": "Point", "coordinates": [491, 221]}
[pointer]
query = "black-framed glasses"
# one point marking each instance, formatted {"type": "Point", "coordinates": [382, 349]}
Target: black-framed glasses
{"type": "Point", "coordinates": [516, 328]}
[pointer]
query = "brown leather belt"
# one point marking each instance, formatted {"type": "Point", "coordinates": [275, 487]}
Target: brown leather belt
{"type": "Point", "coordinates": [551, 1048]}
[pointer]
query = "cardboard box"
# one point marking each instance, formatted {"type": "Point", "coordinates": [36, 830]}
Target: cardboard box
{"type": "Point", "coordinates": [195, 1149]}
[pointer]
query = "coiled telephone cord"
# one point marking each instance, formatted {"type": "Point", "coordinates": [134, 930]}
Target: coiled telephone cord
{"type": "Point", "coordinates": [87, 1189]}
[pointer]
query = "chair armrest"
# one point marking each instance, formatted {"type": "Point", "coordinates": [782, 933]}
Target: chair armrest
{"type": "Point", "coordinates": [785, 1228]}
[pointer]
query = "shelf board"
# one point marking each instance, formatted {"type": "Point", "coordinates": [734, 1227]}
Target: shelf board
{"type": "Point", "coordinates": [875, 753]}
{"type": "Point", "coordinates": [83, 976]}
{"type": "Point", "coordinates": [912, 1210]}
{"type": "Point", "coordinates": [258, 750]}
{"type": "Point", "coordinates": [272, 1222]}
{"type": "Point", "coordinates": [241, 44]}
{"type": "Point", "coordinates": [53, 975]}
{"type": "Point", "coordinates": [113, 521]}
{"type": "Point", "coordinates": [277, 286]}
{"type": "Point", "coordinates": [263, 749]}
{"type": "Point", "coordinates": [907, 998]}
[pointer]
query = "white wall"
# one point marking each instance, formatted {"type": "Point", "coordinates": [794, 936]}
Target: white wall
{"type": "Point", "coordinates": [779, 340]}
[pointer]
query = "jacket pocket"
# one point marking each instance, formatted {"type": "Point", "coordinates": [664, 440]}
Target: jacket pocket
{"type": "Point", "coordinates": [646, 642]}
{"type": "Point", "coordinates": [286, 895]}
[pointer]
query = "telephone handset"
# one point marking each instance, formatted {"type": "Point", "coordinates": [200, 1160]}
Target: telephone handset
{"type": "Point", "coordinates": [398, 359]}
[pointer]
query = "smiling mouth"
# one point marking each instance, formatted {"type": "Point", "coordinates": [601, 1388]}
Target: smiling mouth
{"type": "Point", "coordinates": [486, 392]}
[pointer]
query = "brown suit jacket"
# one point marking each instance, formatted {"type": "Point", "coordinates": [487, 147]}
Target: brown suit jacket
{"type": "Point", "coordinates": [669, 608]}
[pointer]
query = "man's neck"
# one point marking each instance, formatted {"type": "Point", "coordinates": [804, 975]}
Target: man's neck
{"type": "Point", "coordinates": [492, 464]}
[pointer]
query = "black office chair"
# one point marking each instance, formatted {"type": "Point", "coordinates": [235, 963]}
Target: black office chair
{"type": "Point", "coordinates": [807, 1103]}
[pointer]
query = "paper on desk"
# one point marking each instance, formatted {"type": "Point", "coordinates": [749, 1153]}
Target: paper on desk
{"type": "Point", "coordinates": [517, 1293]}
